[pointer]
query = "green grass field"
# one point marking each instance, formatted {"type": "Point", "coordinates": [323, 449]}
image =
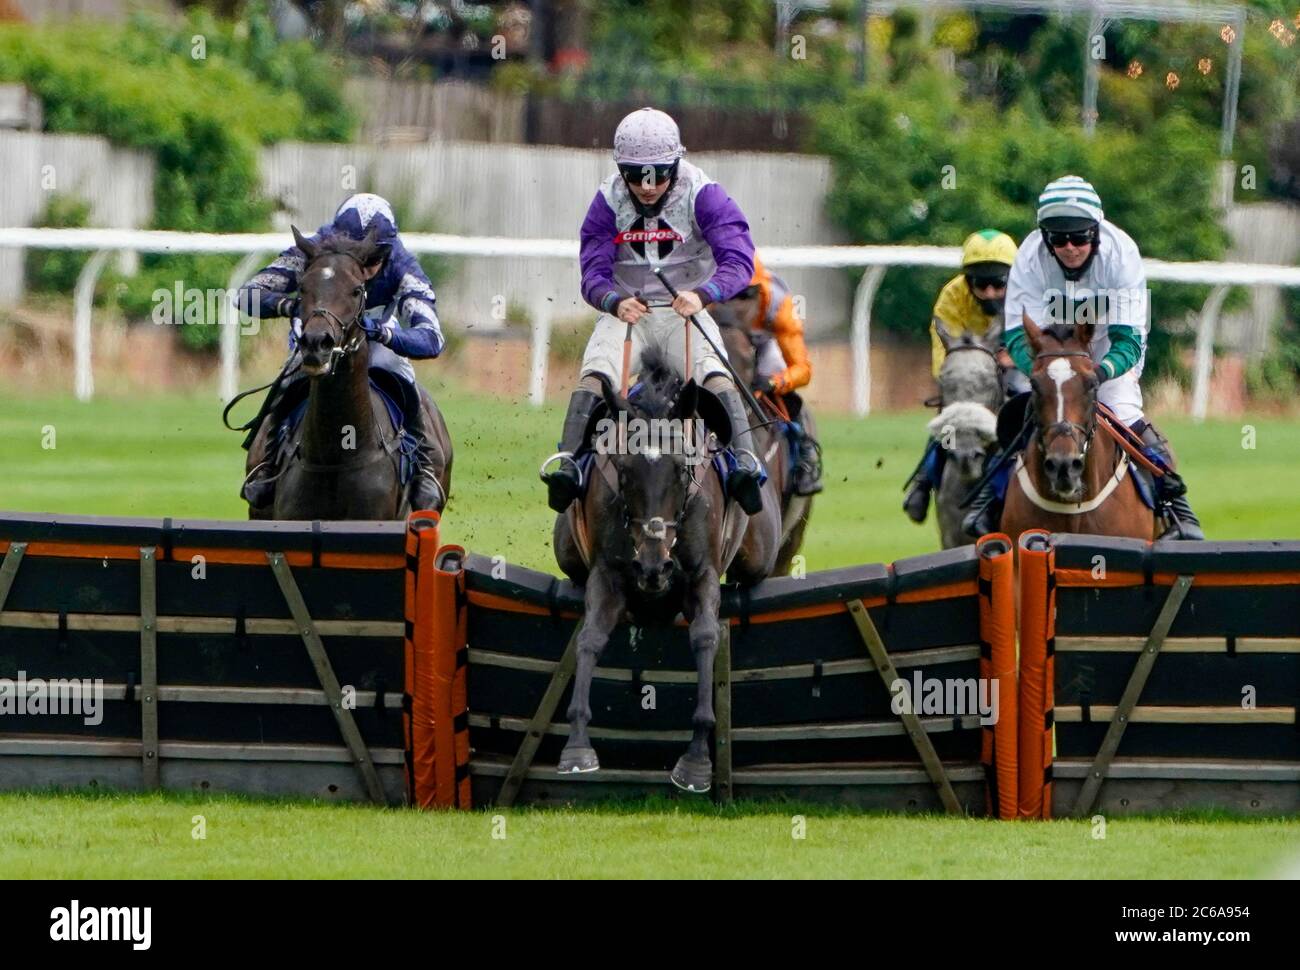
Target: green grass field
{"type": "Point", "coordinates": [155, 456]}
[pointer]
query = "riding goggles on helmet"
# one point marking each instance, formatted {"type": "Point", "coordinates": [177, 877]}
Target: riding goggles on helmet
{"type": "Point", "coordinates": [983, 281]}
{"type": "Point", "coordinates": [634, 173]}
{"type": "Point", "coordinates": [1056, 239]}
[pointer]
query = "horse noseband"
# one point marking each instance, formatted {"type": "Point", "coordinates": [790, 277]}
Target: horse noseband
{"type": "Point", "coordinates": [657, 528]}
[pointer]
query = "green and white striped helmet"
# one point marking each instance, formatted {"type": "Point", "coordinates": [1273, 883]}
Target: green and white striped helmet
{"type": "Point", "coordinates": [1070, 198]}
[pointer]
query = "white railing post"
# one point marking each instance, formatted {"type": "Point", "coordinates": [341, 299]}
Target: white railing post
{"type": "Point", "coordinates": [861, 338]}
{"type": "Point", "coordinates": [228, 385]}
{"type": "Point", "coordinates": [1207, 325]}
{"type": "Point", "coordinates": [83, 300]}
{"type": "Point", "coordinates": [540, 350]}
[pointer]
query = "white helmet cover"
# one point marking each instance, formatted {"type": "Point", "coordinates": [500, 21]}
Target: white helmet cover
{"type": "Point", "coordinates": [1070, 196]}
{"type": "Point", "coordinates": [647, 137]}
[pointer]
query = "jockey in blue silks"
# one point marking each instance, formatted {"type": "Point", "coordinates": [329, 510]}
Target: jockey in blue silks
{"type": "Point", "coordinates": [399, 318]}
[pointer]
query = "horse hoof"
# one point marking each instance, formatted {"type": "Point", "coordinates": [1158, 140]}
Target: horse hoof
{"type": "Point", "coordinates": [692, 776]}
{"type": "Point", "coordinates": [574, 761]}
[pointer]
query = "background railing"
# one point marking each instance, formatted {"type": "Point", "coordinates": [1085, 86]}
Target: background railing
{"type": "Point", "coordinates": [875, 260]}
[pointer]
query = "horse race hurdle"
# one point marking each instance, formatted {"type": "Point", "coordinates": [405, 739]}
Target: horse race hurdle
{"type": "Point", "coordinates": [370, 661]}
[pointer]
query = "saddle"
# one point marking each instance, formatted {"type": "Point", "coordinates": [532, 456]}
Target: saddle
{"type": "Point", "coordinates": [286, 404]}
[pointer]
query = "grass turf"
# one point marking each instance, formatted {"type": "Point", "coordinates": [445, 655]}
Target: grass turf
{"type": "Point", "coordinates": [169, 455]}
{"type": "Point", "coordinates": [155, 456]}
{"type": "Point", "coordinates": [88, 836]}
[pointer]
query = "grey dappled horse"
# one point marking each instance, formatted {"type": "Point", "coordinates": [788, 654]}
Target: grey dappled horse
{"type": "Point", "coordinates": [970, 392]}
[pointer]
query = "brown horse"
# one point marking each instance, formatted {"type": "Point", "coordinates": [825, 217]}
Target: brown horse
{"type": "Point", "coordinates": [772, 442]}
{"type": "Point", "coordinates": [653, 536]}
{"type": "Point", "coordinates": [343, 461]}
{"type": "Point", "coordinates": [1070, 478]}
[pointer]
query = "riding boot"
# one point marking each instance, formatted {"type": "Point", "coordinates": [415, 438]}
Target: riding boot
{"type": "Point", "coordinates": [808, 469]}
{"type": "Point", "coordinates": [745, 482]}
{"type": "Point", "coordinates": [985, 514]}
{"type": "Point", "coordinates": [917, 503]}
{"type": "Point", "coordinates": [564, 482]}
{"type": "Point", "coordinates": [425, 490]}
{"type": "Point", "coordinates": [1171, 490]}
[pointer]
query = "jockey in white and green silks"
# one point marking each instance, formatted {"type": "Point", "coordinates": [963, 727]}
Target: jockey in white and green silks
{"type": "Point", "coordinates": [1081, 266]}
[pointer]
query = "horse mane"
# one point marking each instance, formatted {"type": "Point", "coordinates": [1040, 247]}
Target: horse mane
{"type": "Point", "coordinates": [1062, 333]}
{"type": "Point", "coordinates": [726, 316]}
{"type": "Point", "coordinates": [659, 385]}
{"type": "Point", "coordinates": [337, 243]}
{"type": "Point", "coordinates": [963, 415]}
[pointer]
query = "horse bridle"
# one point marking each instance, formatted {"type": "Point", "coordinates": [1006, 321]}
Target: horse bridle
{"type": "Point", "coordinates": [657, 527]}
{"type": "Point", "coordinates": [350, 346]}
{"type": "Point", "coordinates": [1080, 434]}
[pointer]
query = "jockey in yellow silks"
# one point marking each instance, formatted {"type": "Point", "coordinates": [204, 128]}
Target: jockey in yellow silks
{"type": "Point", "coordinates": [969, 303]}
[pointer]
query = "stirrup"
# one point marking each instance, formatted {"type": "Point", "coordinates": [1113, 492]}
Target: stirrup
{"type": "Point", "coordinates": [561, 456]}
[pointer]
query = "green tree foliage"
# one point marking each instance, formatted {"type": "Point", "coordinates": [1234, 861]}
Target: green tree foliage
{"type": "Point", "coordinates": [920, 163]}
{"type": "Point", "coordinates": [203, 96]}
{"type": "Point", "coordinates": [56, 270]}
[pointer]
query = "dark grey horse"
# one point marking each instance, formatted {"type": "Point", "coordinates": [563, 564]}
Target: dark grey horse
{"type": "Point", "coordinates": [660, 534]}
{"type": "Point", "coordinates": [343, 461]}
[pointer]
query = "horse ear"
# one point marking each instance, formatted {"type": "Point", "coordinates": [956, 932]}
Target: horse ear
{"type": "Point", "coordinates": [374, 253]}
{"type": "Point", "coordinates": [309, 248]}
{"type": "Point", "coordinates": [612, 399]}
{"type": "Point", "coordinates": [378, 256]}
{"type": "Point", "coordinates": [992, 338]}
{"type": "Point", "coordinates": [944, 336]}
{"type": "Point", "coordinates": [1033, 334]}
{"type": "Point", "coordinates": [1083, 333]}
{"type": "Point", "coordinates": [687, 399]}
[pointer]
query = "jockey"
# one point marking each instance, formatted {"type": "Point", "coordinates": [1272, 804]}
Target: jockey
{"type": "Point", "coordinates": [401, 324]}
{"type": "Point", "coordinates": [1077, 264]}
{"type": "Point", "coordinates": [969, 303]}
{"type": "Point", "coordinates": [783, 366]}
{"type": "Point", "coordinates": [657, 210]}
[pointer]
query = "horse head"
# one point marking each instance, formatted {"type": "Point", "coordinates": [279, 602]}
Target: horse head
{"type": "Point", "coordinates": [735, 325]}
{"type": "Point", "coordinates": [966, 430]}
{"type": "Point", "coordinates": [970, 370]}
{"type": "Point", "coordinates": [654, 445]}
{"type": "Point", "coordinates": [333, 296]}
{"type": "Point", "coordinates": [1065, 383]}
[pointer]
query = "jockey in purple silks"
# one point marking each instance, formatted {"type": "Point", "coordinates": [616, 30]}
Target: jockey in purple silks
{"type": "Point", "coordinates": [657, 211]}
{"type": "Point", "coordinates": [399, 319]}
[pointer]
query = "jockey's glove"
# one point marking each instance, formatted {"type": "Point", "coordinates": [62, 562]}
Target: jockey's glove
{"type": "Point", "coordinates": [381, 331]}
{"type": "Point", "coordinates": [287, 306]}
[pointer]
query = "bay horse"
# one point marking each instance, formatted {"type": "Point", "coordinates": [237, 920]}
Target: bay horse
{"type": "Point", "coordinates": [1070, 478]}
{"type": "Point", "coordinates": [343, 461]}
{"type": "Point", "coordinates": [653, 536]}
{"type": "Point", "coordinates": [738, 341]}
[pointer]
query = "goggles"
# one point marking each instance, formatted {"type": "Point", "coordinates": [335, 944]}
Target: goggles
{"type": "Point", "coordinates": [983, 281]}
{"type": "Point", "coordinates": [1080, 237]}
{"type": "Point", "coordinates": [635, 174]}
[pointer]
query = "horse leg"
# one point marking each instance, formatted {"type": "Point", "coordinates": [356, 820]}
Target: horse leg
{"type": "Point", "coordinates": [694, 770]}
{"type": "Point", "coordinates": [604, 607]}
